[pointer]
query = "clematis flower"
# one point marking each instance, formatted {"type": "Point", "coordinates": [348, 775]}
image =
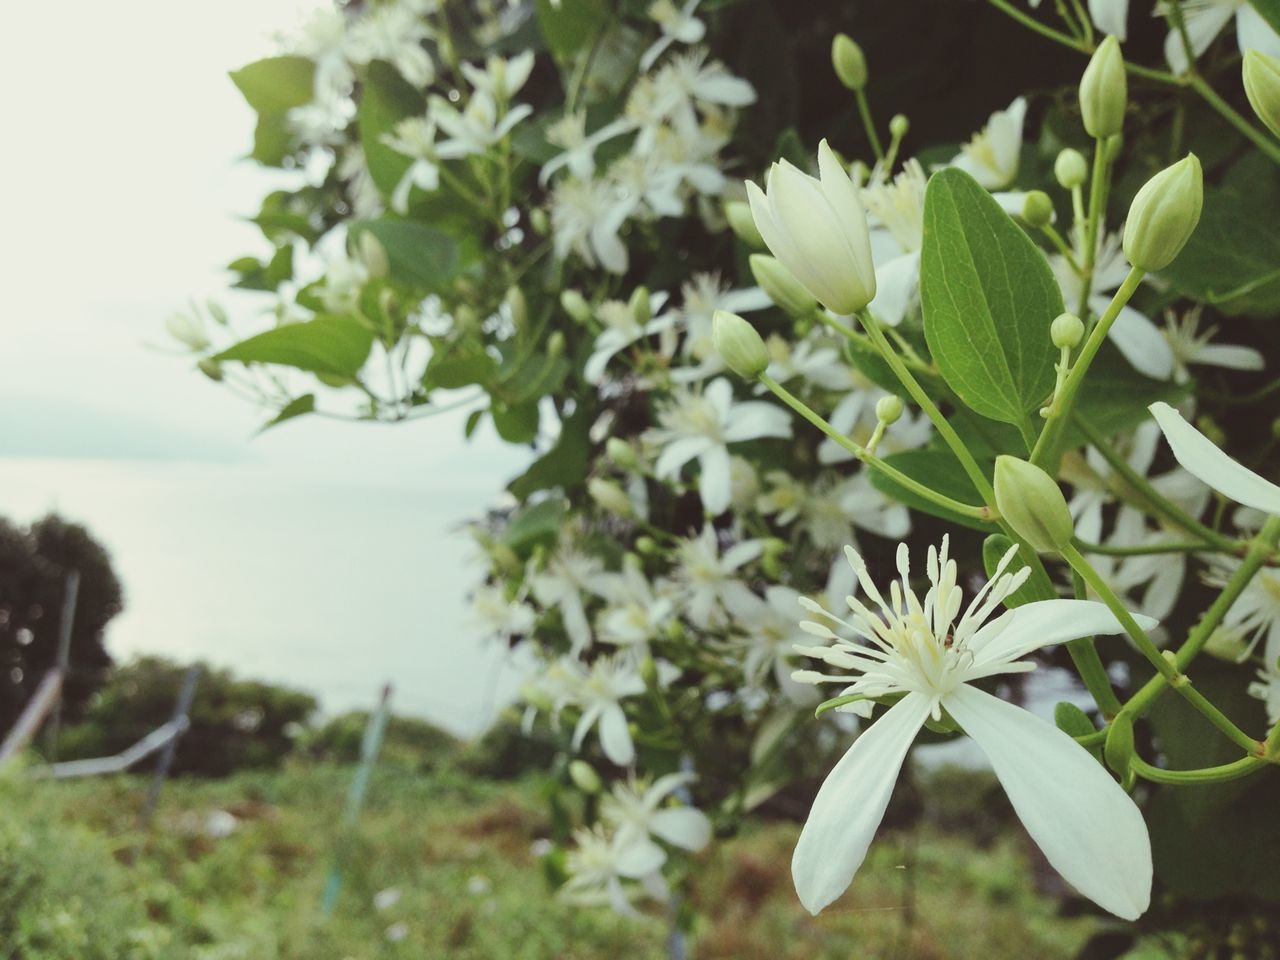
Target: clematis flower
{"type": "Point", "coordinates": [1089, 829]}
{"type": "Point", "coordinates": [1267, 689]}
{"type": "Point", "coordinates": [992, 156]}
{"type": "Point", "coordinates": [1191, 346]}
{"type": "Point", "coordinates": [414, 137]}
{"type": "Point", "coordinates": [1205, 19]}
{"type": "Point", "coordinates": [599, 690]}
{"type": "Point", "coordinates": [707, 578]}
{"type": "Point", "coordinates": [701, 426]}
{"type": "Point", "coordinates": [638, 811]}
{"type": "Point", "coordinates": [818, 230]}
{"type": "Point", "coordinates": [678, 25]}
{"type": "Point", "coordinates": [474, 130]}
{"type": "Point", "coordinates": [638, 609]}
{"type": "Point", "coordinates": [603, 869]}
{"type": "Point", "coordinates": [579, 156]}
{"type": "Point", "coordinates": [622, 328]}
{"type": "Point", "coordinates": [568, 575]}
{"type": "Point", "coordinates": [1254, 618]}
{"type": "Point", "coordinates": [769, 637]}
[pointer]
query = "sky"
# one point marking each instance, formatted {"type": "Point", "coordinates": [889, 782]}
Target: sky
{"type": "Point", "coordinates": [320, 554]}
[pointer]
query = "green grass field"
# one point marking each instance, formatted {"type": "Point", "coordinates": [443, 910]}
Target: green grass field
{"type": "Point", "coordinates": [78, 880]}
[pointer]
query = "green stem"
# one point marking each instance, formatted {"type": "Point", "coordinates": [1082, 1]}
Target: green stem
{"type": "Point", "coordinates": [1264, 143]}
{"type": "Point", "coordinates": [1187, 546]}
{"type": "Point", "coordinates": [1063, 248]}
{"type": "Point", "coordinates": [1047, 450]}
{"type": "Point", "coordinates": [1097, 192]}
{"type": "Point", "coordinates": [864, 111]}
{"type": "Point", "coordinates": [1084, 654]}
{"type": "Point", "coordinates": [1228, 771]}
{"type": "Point", "coordinates": [1152, 497]}
{"type": "Point", "coordinates": [897, 476]}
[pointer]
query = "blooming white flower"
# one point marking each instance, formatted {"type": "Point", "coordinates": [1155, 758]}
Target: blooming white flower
{"type": "Point", "coordinates": [1267, 689]}
{"type": "Point", "coordinates": [1200, 457]}
{"type": "Point", "coordinates": [600, 866]}
{"type": "Point", "coordinates": [706, 579]}
{"type": "Point", "coordinates": [814, 359]}
{"type": "Point", "coordinates": [395, 34]}
{"type": "Point", "coordinates": [700, 426]}
{"type": "Point", "coordinates": [769, 637]}
{"type": "Point", "coordinates": [896, 209]}
{"type": "Point", "coordinates": [1205, 19]}
{"type": "Point", "coordinates": [702, 296]}
{"type": "Point", "coordinates": [474, 130]}
{"type": "Point", "coordinates": [323, 39]}
{"type": "Point", "coordinates": [992, 156]}
{"type": "Point", "coordinates": [638, 610]}
{"type": "Point", "coordinates": [498, 615]}
{"type": "Point", "coordinates": [1134, 335]}
{"type": "Point", "coordinates": [586, 216]}
{"type": "Point", "coordinates": [415, 137]}
{"type": "Point", "coordinates": [1191, 346]}
{"type": "Point", "coordinates": [855, 417]}
{"type": "Point", "coordinates": [636, 809]}
{"type": "Point", "coordinates": [579, 156]}
{"type": "Point", "coordinates": [1254, 618]}
{"type": "Point", "coordinates": [1086, 825]}
{"type": "Point", "coordinates": [818, 230]}
{"type": "Point", "coordinates": [599, 690]}
{"type": "Point", "coordinates": [688, 80]}
{"type": "Point", "coordinates": [678, 25]}
{"type": "Point", "coordinates": [501, 78]}
{"type": "Point", "coordinates": [622, 328]}
{"type": "Point", "coordinates": [567, 576]}
{"type": "Point", "coordinates": [835, 505]}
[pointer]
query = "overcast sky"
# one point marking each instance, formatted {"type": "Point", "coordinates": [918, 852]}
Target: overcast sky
{"type": "Point", "coordinates": [272, 555]}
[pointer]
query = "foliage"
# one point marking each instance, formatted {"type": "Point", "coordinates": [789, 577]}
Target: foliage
{"type": "Point", "coordinates": [408, 741]}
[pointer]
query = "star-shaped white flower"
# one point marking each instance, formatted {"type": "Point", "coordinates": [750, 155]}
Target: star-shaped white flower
{"type": "Point", "coordinates": [917, 650]}
{"type": "Point", "coordinates": [1205, 19]}
{"type": "Point", "coordinates": [640, 814]}
{"type": "Point", "coordinates": [707, 579]}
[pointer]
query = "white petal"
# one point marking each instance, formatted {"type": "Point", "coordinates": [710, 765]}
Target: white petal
{"type": "Point", "coordinates": [896, 284]}
{"type": "Point", "coordinates": [1200, 457]}
{"type": "Point", "coordinates": [1087, 827]}
{"type": "Point", "coordinates": [1254, 33]}
{"type": "Point", "coordinates": [1140, 340]}
{"type": "Point", "coordinates": [1203, 22]}
{"type": "Point", "coordinates": [851, 804]}
{"type": "Point", "coordinates": [640, 857]}
{"type": "Point", "coordinates": [682, 827]}
{"type": "Point", "coordinates": [715, 484]}
{"type": "Point", "coordinates": [1041, 623]}
{"type": "Point", "coordinates": [757, 418]}
{"type": "Point", "coordinates": [1110, 16]}
{"type": "Point", "coordinates": [615, 738]}
{"type": "Point", "coordinates": [1228, 355]}
{"type": "Point", "coordinates": [677, 453]}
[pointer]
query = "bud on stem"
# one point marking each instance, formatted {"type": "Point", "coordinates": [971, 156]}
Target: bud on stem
{"type": "Point", "coordinates": [737, 342]}
{"type": "Point", "coordinates": [1164, 214]}
{"type": "Point", "coordinates": [1104, 91]}
{"type": "Point", "coordinates": [1033, 505]}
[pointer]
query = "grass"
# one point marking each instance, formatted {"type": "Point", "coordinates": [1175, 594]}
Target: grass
{"type": "Point", "coordinates": [460, 852]}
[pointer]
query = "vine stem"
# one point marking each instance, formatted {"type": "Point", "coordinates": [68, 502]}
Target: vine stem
{"type": "Point", "coordinates": [1227, 771]}
{"type": "Point", "coordinates": [864, 111]}
{"type": "Point", "coordinates": [1259, 139]}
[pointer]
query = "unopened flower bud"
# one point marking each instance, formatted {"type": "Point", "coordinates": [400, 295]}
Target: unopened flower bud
{"type": "Point", "coordinates": [1037, 208]}
{"type": "Point", "coordinates": [1262, 86]}
{"type": "Point", "coordinates": [187, 331]}
{"type": "Point", "coordinates": [539, 220]}
{"type": "Point", "coordinates": [889, 409]}
{"type": "Point", "coordinates": [584, 776]}
{"type": "Point", "coordinates": [1104, 90]}
{"type": "Point", "coordinates": [1113, 146]}
{"type": "Point", "coordinates": [739, 345]}
{"type": "Point", "coordinates": [621, 453]}
{"type": "Point", "coordinates": [771, 557]}
{"type": "Point", "coordinates": [575, 305]}
{"type": "Point", "coordinates": [640, 306]}
{"type": "Point", "coordinates": [216, 312]}
{"type": "Point", "coordinates": [506, 559]}
{"type": "Point", "coordinates": [555, 344]}
{"type": "Point", "coordinates": [849, 63]}
{"type": "Point", "coordinates": [649, 671]}
{"type": "Point", "coordinates": [1070, 169]}
{"type": "Point", "coordinates": [646, 546]}
{"type": "Point", "coordinates": [898, 126]}
{"type": "Point", "coordinates": [740, 221]}
{"type": "Point", "coordinates": [1033, 504]}
{"type": "Point", "coordinates": [781, 286]}
{"type": "Point", "coordinates": [818, 229]}
{"type": "Point", "coordinates": [211, 369]}
{"type": "Point", "coordinates": [372, 254]}
{"type": "Point", "coordinates": [1163, 215]}
{"type": "Point", "coordinates": [610, 496]}
{"type": "Point", "coordinates": [1067, 330]}
{"type": "Point", "coordinates": [518, 307]}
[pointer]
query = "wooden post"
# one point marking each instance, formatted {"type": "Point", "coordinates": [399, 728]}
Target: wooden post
{"type": "Point", "coordinates": [369, 748]}
{"type": "Point", "coordinates": [70, 593]}
{"type": "Point", "coordinates": [165, 760]}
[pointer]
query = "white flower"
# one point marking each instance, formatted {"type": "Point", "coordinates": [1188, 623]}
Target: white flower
{"type": "Point", "coordinates": [501, 78]}
{"type": "Point", "coordinates": [570, 132]}
{"type": "Point", "coordinates": [621, 329]}
{"type": "Point", "coordinates": [688, 78]}
{"type": "Point", "coordinates": [568, 574]}
{"type": "Point", "coordinates": [769, 637]}
{"type": "Point", "coordinates": [702, 296]}
{"type": "Point", "coordinates": [818, 230]}
{"type": "Point", "coordinates": [1109, 16]}
{"type": "Point", "coordinates": [586, 216]}
{"type": "Point", "coordinates": [706, 579]}
{"type": "Point", "coordinates": [814, 359]}
{"type": "Point", "coordinates": [701, 426]}
{"type": "Point", "coordinates": [836, 505]}
{"type": "Point", "coordinates": [1205, 19]}
{"type": "Point", "coordinates": [395, 34]}
{"type": "Point", "coordinates": [896, 211]}
{"type": "Point", "coordinates": [1255, 616]}
{"type": "Point", "coordinates": [363, 193]}
{"type": "Point", "coordinates": [1267, 689]}
{"type": "Point", "coordinates": [324, 39]}
{"type": "Point", "coordinates": [785, 498]}
{"type": "Point", "coordinates": [599, 690]}
{"type": "Point", "coordinates": [1191, 346]}
{"type": "Point", "coordinates": [415, 137]}
{"type": "Point", "coordinates": [992, 156]}
{"type": "Point", "coordinates": [1087, 827]}
{"type": "Point", "coordinates": [497, 615]}
{"type": "Point", "coordinates": [637, 612]}
{"type": "Point", "coordinates": [474, 130]}
{"type": "Point", "coordinates": [637, 811]}
{"type": "Point", "coordinates": [678, 24]}
{"type": "Point", "coordinates": [599, 866]}
{"type": "Point", "coordinates": [1200, 457]}
{"type": "Point", "coordinates": [1135, 336]}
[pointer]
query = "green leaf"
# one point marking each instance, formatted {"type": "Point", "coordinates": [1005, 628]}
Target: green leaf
{"type": "Point", "coordinates": [297, 407]}
{"type": "Point", "coordinates": [417, 255]}
{"type": "Point", "coordinates": [256, 275]}
{"type": "Point", "coordinates": [539, 522]}
{"type": "Point", "coordinates": [459, 365]}
{"type": "Point", "coordinates": [565, 464]}
{"type": "Point", "coordinates": [277, 84]}
{"type": "Point", "coordinates": [938, 470]}
{"type": "Point", "coordinates": [1269, 10]}
{"type": "Point", "coordinates": [387, 99]}
{"type": "Point", "coordinates": [988, 297]}
{"type": "Point", "coordinates": [515, 424]}
{"type": "Point", "coordinates": [327, 345]}
{"type": "Point", "coordinates": [568, 25]}
{"type": "Point", "coordinates": [1115, 397]}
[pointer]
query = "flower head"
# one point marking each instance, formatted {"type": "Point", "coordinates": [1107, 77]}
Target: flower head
{"type": "Point", "coordinates": [926, 652]}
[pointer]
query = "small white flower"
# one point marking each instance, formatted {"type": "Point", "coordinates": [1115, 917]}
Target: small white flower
{"type": "Point", "coordinates": [586, 217]}
{"type": "Point", "coordinates": [415, 137]}
{"type": "Point", "coordinates": [501, 78]}
{"type": "Point", "coordinates": [1086, 825]}
{"type": "Point", "coordinates": [1255, 616]}
{"type": "Point", "coordinates": [637, 610]}
{"type": "Point", "coordinates": [567, 576]}
{"type": "Point", "coordinates": [702, 296]}
{"type": "Point", "coordinates": [1267, 689]}
{"type": "Point", "coordinates": [992, 156]}
{"type": "Point", "coordinates": [678, 24]}
{"type": "Point", "coordinates": [639, 813]}
{"type": "Point", "coordinates": [1191, 346]}
{"type": "Point", "coordinates": [1205, 19]}
{"type": "Point", "coordinates": [395, 34]}
{"type": "Point", "coordinates": [602, 870]}
{"type": "Point", "coordinates": [836, 505]}
{"type": "Point", "coordinates": [814, 359]}
{"type": "Point", "coordinates": [570, 133]}
{"type": "Point", "coordinates": [700, 426]}
{"type": "Point", "coordinates": [498, 615]}
{"type": "Point", "coordinates": [896, 209]}
{"type": "Point", "coordinates": [855, 417]}
{"type": "Point", "coordinates": [477, 128]}
{"type": "Point", "coordinates": [769, 637]}
{"type": "Point", "coordinates": [621, 329]}
{"type": "Point", "coordinates": [599, 690]}
{"type": "Point", "coordinates": [707, 579]}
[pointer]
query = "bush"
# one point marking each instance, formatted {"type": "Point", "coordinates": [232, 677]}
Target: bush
{"type": "Point", "coordinates": [408, 742]}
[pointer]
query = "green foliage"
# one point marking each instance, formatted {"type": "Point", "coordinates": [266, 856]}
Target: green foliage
{"type": "Point", "coordinates": [388, 99]}
{"type": "Point", "coordinates": [273, 87]}
{"type": "Point", "coordinates": [939, 470]}
{"type": "Point", "coordinates": [235, 724]}
{"type": "Point", "coordinates": [328, 345]}
{"type": "Point", "coordinates": [419, 256]}
{"type": "Point", "coordinates": [408, 742]}
{"type": "Point", "coordinates": [989, 298]}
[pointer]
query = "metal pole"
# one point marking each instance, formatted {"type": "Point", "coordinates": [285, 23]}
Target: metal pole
{"type": "Point", "coordinates": [70, 593]}
{"type": "Point", "coordinates": [33, 715]}
{"type": "Point", "coordinates": [180, 711]}
{"type": "Point", "coordinates": [369, 748]}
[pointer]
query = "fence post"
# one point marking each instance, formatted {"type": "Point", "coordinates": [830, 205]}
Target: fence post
{"type": "Point", "coordinates": [70, 593]}
{"type": "Point", "coordinates": [165, 760]}
{"type": "Point", "coordinates": [33, 714]}
{"type": "Point", "coordinates": [369, 747]}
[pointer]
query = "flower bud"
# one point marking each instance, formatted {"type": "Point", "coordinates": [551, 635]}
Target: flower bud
{"type": "Point", "coordinates": [187, 331]}
{"type": "Point", "coordinates": [1070, 169]}
{"type": "Point", "coordinates": [898, 126]}
{"type": "Point", "coordinates": [575, 305]}
{"type": "Point", "coordinates": [518, 307]}
{"type": "Point", "coordinates": [1037, 208]}
{"type": "Point", "coordinates": [1163, 215]}
{"type": "Point", "coordinates": [818, 229]}
{"type": "Point", "coordinates": [1104, 90]}
{"type": "Point", "coordinates": [610, 496]}
{"type": "Point", "coordinates": [649, 669]}
{"type": "Point", "coordinates": [584, 776]}
{"type": "Point", "coordinates": [1033, 504]}
{"type": "Point", "coordinates": [210, 368]}
{"type": "Point", "coordinates": [540, 221]}
{"type": "Point", "coordinates": [739, 345]}
{"type": "Point", "coordinates": [739, 216]}
{"type": "Point", "coordinates": [646, 546]}
{"type": "Point", "coordinates": [372, 253]}
{"type": "Point", "coordinates": [849, 63]}
{"type": "Point", "coordinates": [1067, 330]}
{"type": "Point", "coordinates": [1262, 86]}
{"type": "Point", "coordinates": [640, 306]}
{"type": "Point", "coordinates": [889, 409]}
{"type": "Point", "coordinates": [621, 453]}
{"type": "Point", "coordinates": [781, 286]}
